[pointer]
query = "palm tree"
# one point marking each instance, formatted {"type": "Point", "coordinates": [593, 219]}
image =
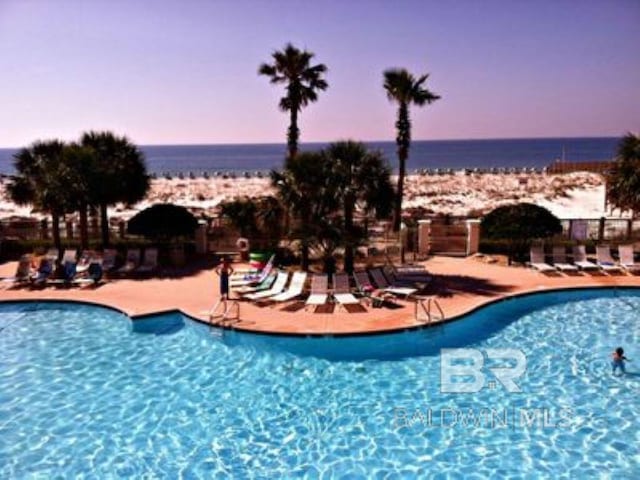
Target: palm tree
{"type": "Point", "coordinates": [41, 181]}
{"type": "Point", "coordinates": [623, 181]}
{"type": "Point", "coordinates": [404, 89]}
{"type": "Point", "coordinates": [305, 190]}
{"type": "Point", "coordinates": [360, 178]}
{"type": "Point", "coordinates": [120, 173]}
{"type": "Point", "coordinates": [80, 167]}
{"type": "Point", "coordinates": [303, 81]}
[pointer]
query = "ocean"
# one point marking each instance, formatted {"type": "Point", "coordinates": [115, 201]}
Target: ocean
{"type": "Point", "coordinates": [455, 154]}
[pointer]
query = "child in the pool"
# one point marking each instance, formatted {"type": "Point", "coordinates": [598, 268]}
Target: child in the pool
{"type": "Point", "coordinates": [618, 360]}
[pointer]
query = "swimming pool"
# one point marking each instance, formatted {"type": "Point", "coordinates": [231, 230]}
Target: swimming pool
{"type": "Point", "coordinates": [86, 392]}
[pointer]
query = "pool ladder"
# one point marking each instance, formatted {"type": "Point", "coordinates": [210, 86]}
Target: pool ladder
{"type": "Point", "coordinates": [225, 310]}
{"type": "Point", "coordinates": [427, 310]}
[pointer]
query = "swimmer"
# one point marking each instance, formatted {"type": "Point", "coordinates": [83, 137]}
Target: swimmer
{"type": "Point", "coordinates": [618, 360]}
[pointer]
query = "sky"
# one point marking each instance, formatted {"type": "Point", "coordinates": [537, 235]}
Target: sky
{"type": "Point", "coordinates": [185, 72]}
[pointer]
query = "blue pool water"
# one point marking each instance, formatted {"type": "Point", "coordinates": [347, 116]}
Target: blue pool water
{"type": "Point", "coordinates": [84, 392]}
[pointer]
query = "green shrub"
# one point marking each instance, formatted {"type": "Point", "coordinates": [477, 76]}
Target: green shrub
{"type": "Point", "coordinates": [163, 221]}
{"type": "Point", "coordinates": [518, 225]}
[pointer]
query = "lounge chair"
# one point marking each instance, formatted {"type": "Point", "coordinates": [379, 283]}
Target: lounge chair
{"type": "Point", "coordinates": [69, 271]}
{"type": "Point", "coordinates": [149, 261]}
{"type": "Point", "coordinates": [252, 279]}
{"type": "Point", "coordinates": [109, 259]}
{"type": "Point", "coordinates": [625, 253]}
{"type": "Point", "coordinates": [52, 254]}
{"type": "Point", "coordinates": [341, 290]}
{"type": "Point", "coordinates": [384, 285]}
{"type": "Point", "coordinates": [44, 271]}
{"type": "Point", "coordinates": [538, 262]}
{"type": "Point", "coordinates": [560, 260]}
{"type": "Point", "coordinates": [93, 274]}
{"type": "Point", "coordinates": [366, 289]}
{"type": "Point", "coordinates": [241, 276]}
{"type": "Point", "coordinates": [23, 272]}
{"type": "Point", "coordinates": [263, 285]}
{"type": "Point", "coordinates": [132, 261]}
{"type": "Point", "coordinates": [295, 288]}
{"type": "Point", "coordinates": [580, 259]}
{"type": "Point", "coordinates": [69, 255]}
{"type": "Point", "coordinates": [276, 288]}
{"type": "Point", "coordinates": [413, 279]}
{"type": "Point", "coordinates": [605, 260]}
{"type": "Point", "coordinates": [319, 291]}
{"type": "Point", "coordinates": [86, 258]}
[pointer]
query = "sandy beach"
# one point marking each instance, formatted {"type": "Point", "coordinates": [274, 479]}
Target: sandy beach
{"type": "Point", "coordinates": [574, 195]}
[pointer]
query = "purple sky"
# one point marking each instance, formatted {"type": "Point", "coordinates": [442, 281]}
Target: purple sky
{"type": "Point", "coordinates": [185, 71]}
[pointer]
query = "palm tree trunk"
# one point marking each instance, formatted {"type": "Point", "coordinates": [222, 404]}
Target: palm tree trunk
{"type": "Point", "coordinates": [293, 134]}
{"type": "Point", "coordinates": [84, 228]}
{"type": "Point", "coordinates": [55, 230]}
{"type": "Point", "coordinates": [348, 224]}
{"type": "Point", "coordinates": [402, 141]}
{"type": "Point", "coordinates": [104, 225]}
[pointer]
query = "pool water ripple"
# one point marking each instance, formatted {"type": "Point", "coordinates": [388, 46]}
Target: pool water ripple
{"type": "Point", "coordinates": [85, 395]}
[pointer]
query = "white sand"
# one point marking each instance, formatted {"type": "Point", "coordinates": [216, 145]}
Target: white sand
{"type": "Point", "coordinates": [575, 195]}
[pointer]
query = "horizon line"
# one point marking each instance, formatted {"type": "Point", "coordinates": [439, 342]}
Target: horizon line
{"type": "Point", "coordinates": [316, 142]}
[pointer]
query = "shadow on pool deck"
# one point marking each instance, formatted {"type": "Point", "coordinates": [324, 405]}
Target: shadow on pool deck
{"type": "Point", "coordinates": [450, 285]}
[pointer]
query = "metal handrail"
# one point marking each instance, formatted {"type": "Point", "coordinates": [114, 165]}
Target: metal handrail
{"type": "Point", "coordinates": [427, 309]}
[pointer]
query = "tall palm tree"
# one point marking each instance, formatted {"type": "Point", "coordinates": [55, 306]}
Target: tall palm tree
{"type": "Point", "coordinates": [292, 67]}
{"type": "Point", "coordinates": [623, 181]}
{"type": "Point", "coordinates": [404, 89]}
{"type": "Point", "coordinates": [42, 182]}
{"type": "Point", "coordinates": [360, 178]}
{"type": "Point", "coordinates": [120, 173]}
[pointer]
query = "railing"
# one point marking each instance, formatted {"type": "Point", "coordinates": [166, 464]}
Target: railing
{"type": "Point", "coordinates": [427, 309]}
{"type": "Point", "coordinates": [223, 309]}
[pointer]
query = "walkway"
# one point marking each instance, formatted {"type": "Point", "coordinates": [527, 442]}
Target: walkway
{"type": "Point", "coordinates": [461, 285]}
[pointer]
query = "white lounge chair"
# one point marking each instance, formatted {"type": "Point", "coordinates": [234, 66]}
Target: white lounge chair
{"type": "Point", "coordinates": [243, 280]}
{"type": "Point", "coordinates": [625, 253]}
{"type": "Point", "coordinates": [149, 262]}
{"type": "Point", "coordinates": [605, 260]}
{"type": "Point", "coordinates": [580, 259]}
{"type": "Point", "coordinates": [265, 284]}
{"type": "Point", "coordinates": [276, 288]}
{"type": "Point", "coordinates": [244, 277]}
{"type": "Point", "coordinates": [295, 288]}
{"type": "Point", "coordinates": [560, 260]}
{"type": "Point", "coordinates": [537, 260]}
{"type": "Point", "coordinates": [319, 291]}
{"type": "Point", "coordinates": [341, 291]}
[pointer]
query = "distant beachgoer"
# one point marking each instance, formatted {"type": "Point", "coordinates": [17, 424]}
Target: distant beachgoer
{"type": "Point", "coordinates": [225, 271]}
{"type": "Point", "coordinates": [618, 360]}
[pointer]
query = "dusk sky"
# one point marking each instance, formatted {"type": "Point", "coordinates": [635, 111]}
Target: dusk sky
{"type": "Point", "coordinates": [178, 72]}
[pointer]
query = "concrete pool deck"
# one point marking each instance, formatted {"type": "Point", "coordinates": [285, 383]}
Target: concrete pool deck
{"type": "Point", "coordinates": [461, 285]}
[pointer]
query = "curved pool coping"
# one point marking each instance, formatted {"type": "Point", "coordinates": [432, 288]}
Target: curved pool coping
{"type": "Point", "coordinates": [460, 316]}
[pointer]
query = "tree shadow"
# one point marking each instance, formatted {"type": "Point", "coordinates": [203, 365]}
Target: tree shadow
{"type": "Point", "coordinates": [449, 285]}
{"type": "Point", "coordinates": [191, 268]}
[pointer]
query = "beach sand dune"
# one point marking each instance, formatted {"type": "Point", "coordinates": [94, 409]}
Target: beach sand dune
{"type": "Point", "coordinates": [574, 195]}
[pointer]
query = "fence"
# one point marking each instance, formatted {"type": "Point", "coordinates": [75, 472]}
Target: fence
{"type": "Point", "coordinates": [448, 236]}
